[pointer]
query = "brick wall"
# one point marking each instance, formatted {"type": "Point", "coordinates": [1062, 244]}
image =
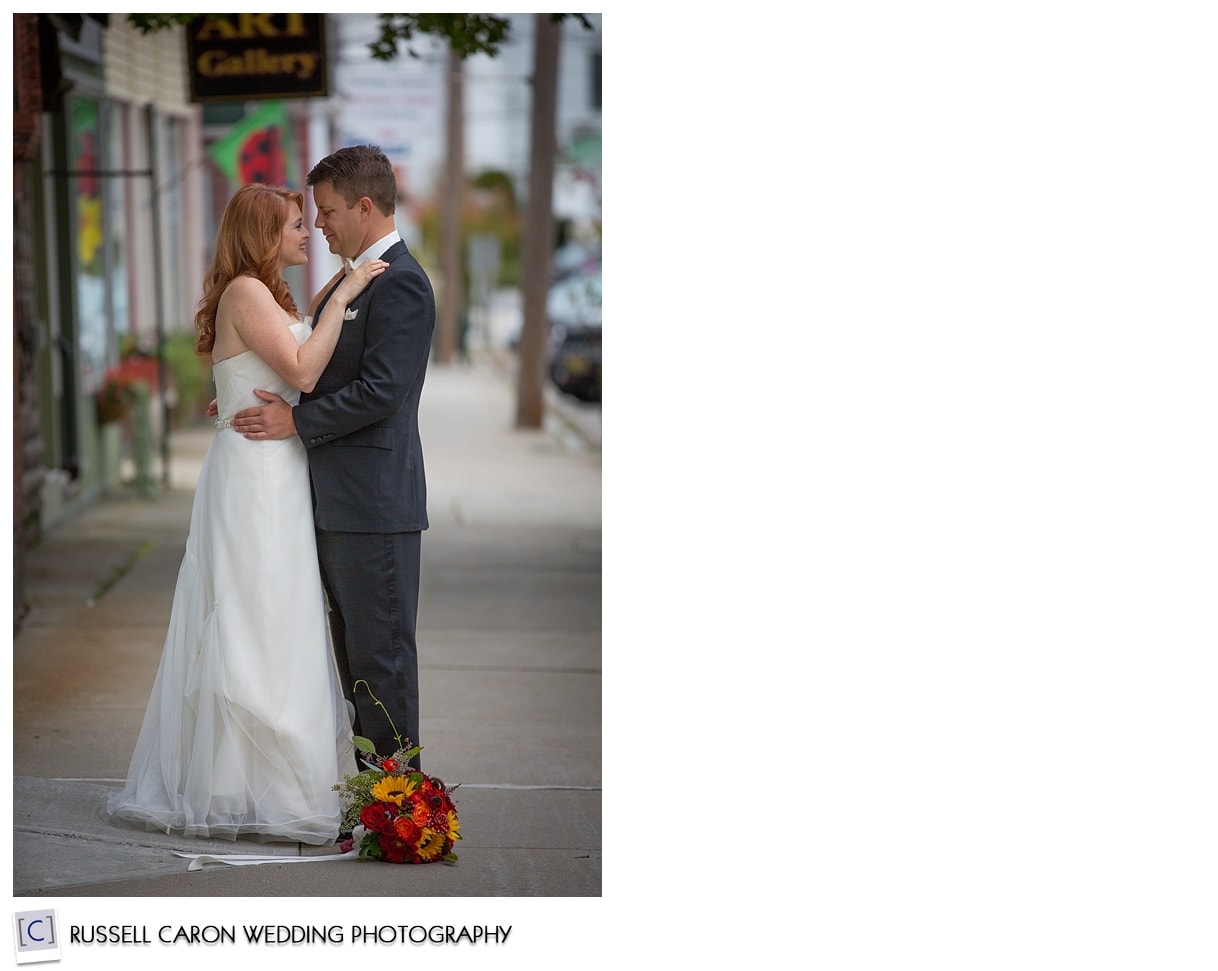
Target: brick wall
{"type": "Point", "coordinates": [27, 438]}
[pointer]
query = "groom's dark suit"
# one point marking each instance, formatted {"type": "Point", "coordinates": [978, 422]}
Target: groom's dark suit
{"type": "Point", "coordinates": [360, 426]}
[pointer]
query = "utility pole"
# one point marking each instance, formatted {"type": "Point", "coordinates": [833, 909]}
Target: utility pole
{"type": "Point", "coordinates": [450, 242]}
{"type": "Point", "coordinates": [538, 230]}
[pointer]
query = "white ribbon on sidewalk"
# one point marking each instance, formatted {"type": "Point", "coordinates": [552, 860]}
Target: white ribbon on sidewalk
{"type": "Point", "coordinates": [200, 860]}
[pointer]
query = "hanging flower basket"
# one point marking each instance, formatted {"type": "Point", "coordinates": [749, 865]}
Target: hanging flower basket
{"type": "Point", "coordinates": [114, 398]}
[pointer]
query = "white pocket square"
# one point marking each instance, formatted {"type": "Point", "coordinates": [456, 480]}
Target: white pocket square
{"type": "Point", "coordinates": [351, 314]}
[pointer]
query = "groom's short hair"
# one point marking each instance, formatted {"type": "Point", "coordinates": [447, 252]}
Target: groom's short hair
{"type": "Point", "coordinates": [357, 171]}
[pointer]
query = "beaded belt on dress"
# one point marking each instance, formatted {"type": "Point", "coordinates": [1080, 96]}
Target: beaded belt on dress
{"type": "Point", "coordinates": [224, 423]}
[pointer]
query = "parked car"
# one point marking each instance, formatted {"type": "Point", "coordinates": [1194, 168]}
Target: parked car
{"type": "Point", "coordinates": [574, 309]}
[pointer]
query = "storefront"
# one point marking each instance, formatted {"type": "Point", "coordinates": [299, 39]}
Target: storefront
{"type": "Point", "coordinates": [110, 195]}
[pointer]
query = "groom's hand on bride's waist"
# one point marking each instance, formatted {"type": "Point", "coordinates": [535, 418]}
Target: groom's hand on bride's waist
{"type": "Point", "coordinates": [271, 421]}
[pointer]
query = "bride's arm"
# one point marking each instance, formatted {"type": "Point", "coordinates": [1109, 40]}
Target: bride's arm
{"type": "Point", "coordinates": [258, 319]}
{"type": "Point", "coordinates": [312, 311]}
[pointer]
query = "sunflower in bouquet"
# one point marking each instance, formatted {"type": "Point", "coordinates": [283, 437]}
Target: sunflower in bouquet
{"type": "Point", "coordinates": [397, 814]}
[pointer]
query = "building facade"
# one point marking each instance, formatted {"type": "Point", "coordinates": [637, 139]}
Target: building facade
{"type": "Point", "coordinates": [105, 181]}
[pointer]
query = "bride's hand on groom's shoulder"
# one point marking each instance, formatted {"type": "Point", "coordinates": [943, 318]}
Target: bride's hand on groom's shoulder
{"type": "Point", "coordinates": [359, 278]}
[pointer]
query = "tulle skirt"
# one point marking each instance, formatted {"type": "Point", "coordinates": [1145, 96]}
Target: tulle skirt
{"type": "Point", "coordinates": [246, 731]}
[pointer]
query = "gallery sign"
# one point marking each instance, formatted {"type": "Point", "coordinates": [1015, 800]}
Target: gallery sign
{"type": "Point", "coordinates": [257, 55]}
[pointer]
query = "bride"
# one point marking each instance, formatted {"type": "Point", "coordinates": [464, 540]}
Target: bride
{"type": "Point", "coordinates": [247, 730]}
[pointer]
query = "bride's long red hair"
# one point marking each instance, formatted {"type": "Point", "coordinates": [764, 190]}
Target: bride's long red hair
{"type": "Point", "coordinates": [247, 244]}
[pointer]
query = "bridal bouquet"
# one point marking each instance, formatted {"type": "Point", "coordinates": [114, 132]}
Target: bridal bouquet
{"type": "Point", "coordinates": [397, 814]}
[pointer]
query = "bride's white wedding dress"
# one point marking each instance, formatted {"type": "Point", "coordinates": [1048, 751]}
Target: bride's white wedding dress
{"type": "Point", "coordinates": [246, 730]}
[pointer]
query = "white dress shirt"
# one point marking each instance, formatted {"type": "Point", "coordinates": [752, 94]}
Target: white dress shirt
{"type": "Point", "coordinates": [376, 250]}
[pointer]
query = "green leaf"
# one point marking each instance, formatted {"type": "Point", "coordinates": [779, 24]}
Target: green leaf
{"type": "Point", "coordinates": [364, 744]}
{"type": "Point", "coordinates": [465, 33]}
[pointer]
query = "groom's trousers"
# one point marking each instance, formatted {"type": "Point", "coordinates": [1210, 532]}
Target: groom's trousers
{"type": "Point", "coordinates": [372, 583]}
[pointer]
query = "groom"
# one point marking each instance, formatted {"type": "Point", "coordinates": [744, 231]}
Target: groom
{"type": "Point", "coordinates": [360, 426]}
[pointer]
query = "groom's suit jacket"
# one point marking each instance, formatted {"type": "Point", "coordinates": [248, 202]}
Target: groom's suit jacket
{"type": "Point", "coordinates": [360, 423]}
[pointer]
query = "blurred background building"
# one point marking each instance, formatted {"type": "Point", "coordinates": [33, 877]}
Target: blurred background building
{"type": "Point", "coordinates": [120, 177]}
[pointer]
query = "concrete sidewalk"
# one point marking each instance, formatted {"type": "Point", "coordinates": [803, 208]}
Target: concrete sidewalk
{"type": "Point", "coordinates": [510, 670]}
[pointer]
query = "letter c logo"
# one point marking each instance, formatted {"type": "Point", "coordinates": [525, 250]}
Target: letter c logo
{"type": "Point", "coordinates": [29, 931]}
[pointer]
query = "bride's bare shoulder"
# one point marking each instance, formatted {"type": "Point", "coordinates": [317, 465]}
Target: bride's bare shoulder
{"type": "Point", "coordinates": [245, 287]}
{"type": "Point", "coordinates": [246, 294]}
